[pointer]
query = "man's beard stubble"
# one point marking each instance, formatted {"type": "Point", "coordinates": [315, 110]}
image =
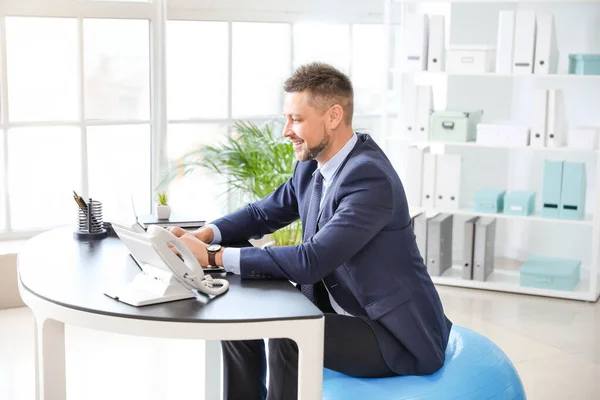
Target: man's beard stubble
{"type": "Point", "coordinates": [312, 153]}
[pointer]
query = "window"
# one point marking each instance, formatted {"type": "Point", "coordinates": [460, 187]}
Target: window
{"type": "Point", "coordinates": [43, 168]}
{"type": "Point", "coordinates": [197, 69]}
{"type": "Point", "coordinates": [329, 43]}
{"type": "Point", "coordinates": [117, 69]}
{"type": "Point", "coordinates": [3, 193]}
{"type": "Point", "coordinates": [119, 160]}
{"type": "Point", "coordinates": [261, 63]}
{"type": "Point", "coordinates": [367, 63]}
{"type": "Point", "coordinates": [42, 69]}
{"type": "Point", "coordinates": [201, 193]}
{"type": "Point", "coordinates": [79, 94]}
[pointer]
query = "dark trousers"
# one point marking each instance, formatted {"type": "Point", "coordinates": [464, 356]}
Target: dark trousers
{"type": "Point", "coordinates": [350, 348]}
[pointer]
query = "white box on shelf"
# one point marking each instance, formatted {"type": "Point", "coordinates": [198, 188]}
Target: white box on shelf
{"type": "Point", "coordinates": [470, 59]}
{"type": "Point", "coordinates": [538, 123]}
{"type": "Point", "coordinates": [516, 135]}
{"type": "Point", "coordinates": [416, 41]}
{"type": "Point", "coordinates": [447, 186]}
{"type": "Point", "coordinates": [524, 52]}
{"type": "Point", "coordinates": [555, 125]}
{"type": "Point", "coordinates": [505, 42]}
{"type": "Point", "coordinates": [424, 110]}
{"type": "Point", "coordinates": [436, 57]}
{"type": "Point", "coordinates": [488, 135]}
{"type": "Point", "coordinates": [503, 135]}
{"type": "Point", "coordinates": [584, 137]}
{"type": "Point", "coordinates": [429, 179]}
{"type": "Point", "coordinates": [546, 47]}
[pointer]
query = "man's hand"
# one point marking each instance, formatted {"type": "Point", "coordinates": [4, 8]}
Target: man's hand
{"type": "Point", "coordinates": [196, 246]}
{"type": "Point", "coordinates": [196, 242]}
{"type": "Point", "coordinates": [206, 235]}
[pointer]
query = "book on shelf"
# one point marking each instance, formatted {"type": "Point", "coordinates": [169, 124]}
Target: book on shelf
{"type": "Point", "coordinates": [181, 220]}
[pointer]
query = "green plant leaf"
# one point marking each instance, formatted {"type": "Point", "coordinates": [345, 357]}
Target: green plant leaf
{"type": "Point", "coordinates": [254, 159]}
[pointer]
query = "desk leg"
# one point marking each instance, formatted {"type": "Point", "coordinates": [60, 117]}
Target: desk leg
{"type": "Point", "coordinates": [212, 370]}
{"type": "Point", "coordinates": [49, 348]}
{"type": "Point", "coordinates": [310, 362]}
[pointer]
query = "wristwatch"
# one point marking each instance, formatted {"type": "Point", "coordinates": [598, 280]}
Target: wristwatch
{"type": "Point", "coordinates": [212, 249]}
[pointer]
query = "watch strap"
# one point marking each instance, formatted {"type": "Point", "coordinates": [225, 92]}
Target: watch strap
{"type": "Point", "coordinates": [211, 258]}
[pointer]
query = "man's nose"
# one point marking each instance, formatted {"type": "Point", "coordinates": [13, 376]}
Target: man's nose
{"type": "Point", "coordinates": [287, 132]}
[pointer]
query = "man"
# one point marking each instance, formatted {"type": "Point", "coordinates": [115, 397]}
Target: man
{"type": "Point", "coordinates": [359, 262]}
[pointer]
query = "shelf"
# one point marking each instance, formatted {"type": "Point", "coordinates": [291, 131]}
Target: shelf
{"type": "Point", "coordinates": [496, 75]}
{"type": "Point", "coordinates": [508, 281]}
{"type": "Point", "coordinates": [394, 138]}
{"type": "Point", "coordinates": [587, 221]}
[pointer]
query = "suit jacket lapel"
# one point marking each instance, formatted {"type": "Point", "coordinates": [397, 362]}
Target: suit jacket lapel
{"type": "Point", "coordinates": [330, 189]}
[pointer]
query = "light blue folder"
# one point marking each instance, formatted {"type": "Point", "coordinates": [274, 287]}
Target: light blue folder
{"type": "Point", "coordinates": [551, 189]}
{"type": "Point", "coordinates": [572, 203]}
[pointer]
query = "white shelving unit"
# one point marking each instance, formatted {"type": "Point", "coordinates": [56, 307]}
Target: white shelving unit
{"type": "Point", "coordinates": [505, 277]}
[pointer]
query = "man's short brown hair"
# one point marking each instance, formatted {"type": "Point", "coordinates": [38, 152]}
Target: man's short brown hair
{"type": "Point", "coordinates": [325, 85]}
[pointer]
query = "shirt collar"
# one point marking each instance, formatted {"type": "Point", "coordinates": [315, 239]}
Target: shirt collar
{"type": "Point", "coordinates": [329, 169]}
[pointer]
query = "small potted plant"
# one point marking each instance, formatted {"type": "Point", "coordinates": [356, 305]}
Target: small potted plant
{"type": "Point", "coordinates": [163, 209]}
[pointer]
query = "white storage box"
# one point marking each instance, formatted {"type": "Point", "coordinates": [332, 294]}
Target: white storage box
{"type": "Point", "coordinates": [503, 135]}
{"type": "Point", "coordinates": [584, 137]}
{"type": "Point", "coordinates": [470, 59]}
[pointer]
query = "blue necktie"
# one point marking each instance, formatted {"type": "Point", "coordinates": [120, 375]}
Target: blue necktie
{"type": "Point", "coordinates": [317, 292]}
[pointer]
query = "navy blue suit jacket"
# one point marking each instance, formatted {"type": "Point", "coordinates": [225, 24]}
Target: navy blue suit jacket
{"type": "Point", "coordinates": [364, 250]}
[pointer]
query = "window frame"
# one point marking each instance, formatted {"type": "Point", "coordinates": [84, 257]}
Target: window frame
{"type": "Point", "coordinates": [158, 13]}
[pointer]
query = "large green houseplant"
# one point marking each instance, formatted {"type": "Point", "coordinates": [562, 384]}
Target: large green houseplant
{"type": "Point", "coordinates": [255, 161]}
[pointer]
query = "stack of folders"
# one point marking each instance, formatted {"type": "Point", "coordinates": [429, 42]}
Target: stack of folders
{"type": "Point", "coordinates": [417, 109]}
{"type": "Point", "coordinates": [434, 239]}
{"type": "Point", "coordinates": [424, 44]}
{"type": "Point", "coordinates": [434, 179]}
{"type": "Point", "coordinates": [526, 43]}
{"type": "Point", "coordinates": [548, 125]}
{"type": "Point", "coordinates": [478, 249]}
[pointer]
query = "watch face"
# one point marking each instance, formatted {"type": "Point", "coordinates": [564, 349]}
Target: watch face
{"type": "Point", "coordinates": [214, 247]}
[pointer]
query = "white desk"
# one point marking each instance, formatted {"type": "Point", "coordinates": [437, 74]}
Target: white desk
{"type": "Point", "coordinates": [63, 280]}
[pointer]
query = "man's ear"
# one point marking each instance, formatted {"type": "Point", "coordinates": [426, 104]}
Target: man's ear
{"type": "Point", "coordinates": [336, 115]}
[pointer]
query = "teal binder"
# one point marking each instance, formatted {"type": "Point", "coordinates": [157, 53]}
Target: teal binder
{"type": "Point", "coordinates": [572, 203]}
{"type": "Point", "coordinates": [551, 188]}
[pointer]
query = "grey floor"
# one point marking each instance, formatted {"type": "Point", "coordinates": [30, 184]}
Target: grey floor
{"type": "Point", "coordinates": [554, 344]}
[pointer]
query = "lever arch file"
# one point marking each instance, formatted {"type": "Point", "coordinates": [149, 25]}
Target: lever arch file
{"type": "Point", "coordinates": [468, 248]}
{"type": "Point", "coordinates": [539, 120]}
{"type": "Point", "coordinates": [483, 254]}
{"type": "Point", "coordinates": [416, 42]}
{"type": "Point", "coordinates": [429, 180]}
{"type": "Point", "coordinates": [546, 48]}
{"type": "Point", "coordinates": [524, 52]}
{"type": "Point", "coordinates": [505, 42]}
{"type": "Point", "coordinates": [436, 57]}
{"type": "Point", "coordinates": [439, 244]}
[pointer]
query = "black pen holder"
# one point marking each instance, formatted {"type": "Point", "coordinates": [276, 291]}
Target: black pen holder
{"type": "Point", "coordinates": [89, 223]}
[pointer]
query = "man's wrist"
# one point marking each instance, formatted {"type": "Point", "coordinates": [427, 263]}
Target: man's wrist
{"type": "Point", "coordinates": [219, 257]}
